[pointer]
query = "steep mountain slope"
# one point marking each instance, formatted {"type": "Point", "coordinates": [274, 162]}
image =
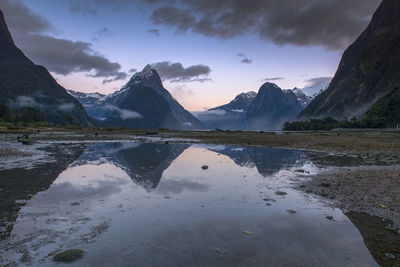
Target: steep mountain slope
{"type": "Point", "coordinates": [229, 116]}
{"type": "Point", "coordinates": [149, 78]}
{"type": "Point", "coordinates": [140, 108]}
{"type": "Point", "coordinates": [386, 111]}
{"type": "Point", "coordinates": [24, 84]}
{"type": "Point", "coordinates": [271, 108]}
{"type": "Point", "coordinates": [293, 100]}
{"type": "Point", "coordinates": [368, 70]}
{"type": "Point", "coordinates": [142, 103]}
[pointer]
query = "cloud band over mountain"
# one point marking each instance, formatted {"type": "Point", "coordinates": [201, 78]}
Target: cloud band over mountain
{"type": "Point", "coordinates": [61, 56]}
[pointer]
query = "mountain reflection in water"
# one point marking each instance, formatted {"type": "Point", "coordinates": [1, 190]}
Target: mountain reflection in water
{"type": "Point", "coordinates": [146, 162]}
{"type": "Point", "coordinates": [146, 204]}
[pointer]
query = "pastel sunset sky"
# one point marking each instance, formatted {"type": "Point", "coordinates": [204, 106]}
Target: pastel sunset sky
{"type": "Point", "coordinates": [205, 51]}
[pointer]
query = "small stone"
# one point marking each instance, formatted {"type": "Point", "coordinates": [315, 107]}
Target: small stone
{"type": "Point", "coordinates": [291, 212]}
{"type": "Point", "coordinates": [69, 255]}
{"type": "Point", "coordinates": [383, 206]}
{"type": "Point", "coordinates": [218, 250]}
{"type": "Point", "coordinates": [269, 200]}
{"type": "Point", "coordinates": [280, 193]}
{"type": "Point", "coordinates": [247, 232]}
{"type": "Point", "coordinates": [325, 184]}
{"type": "Point", "coordinates": [204, 167]}
{"type": "Point", "coordinates": [390, 256]}
{"type": "Point", "coordinates": [329, 217]}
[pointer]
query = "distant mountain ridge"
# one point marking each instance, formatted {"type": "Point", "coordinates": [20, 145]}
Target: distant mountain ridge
{"type": "Point", "coordinates": [142, 103]}
{"type": "Point", "coordinates": [230, 116]}
{"type": "Point", "coordinates": [271, 108]}
{"type": "Point", "coordinates": [368, 70]}
{"type": "Point", "coordinates": [24, 84]}
{"type": "Point", "coordinates": [268, 109]}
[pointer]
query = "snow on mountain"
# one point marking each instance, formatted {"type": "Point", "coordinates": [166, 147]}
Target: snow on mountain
{"type": "Point", "coordinates": [317, 87]}
{"type": "Point", "coordinates": [142, 102]}
{"type": "Point", "coordinates": [303, 99]}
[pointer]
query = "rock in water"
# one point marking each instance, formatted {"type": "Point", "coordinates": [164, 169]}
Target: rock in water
{"type": "Point", "coordinates": [69, 255]}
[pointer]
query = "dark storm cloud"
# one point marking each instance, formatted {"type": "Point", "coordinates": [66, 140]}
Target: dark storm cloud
{"type": "Point", "coordinates": [180, 18]}
{"type": "Point", "coordinates": [331, 23]}
{"type": "Point", "coordinates": [60, 56]}
{"type": "Point", "coordinates": [85, 8]}
{"type": "Point", "coordinates": [272, 79]}
{"type": "Point", "coordinates": [245, 59]}
{"type": "Point", "coordinates": [20, 18]}
{"type": "Point", "coordinates": [91, 7]}
{"type": "Point", "coordinates": [156, 32]}
{"type": "Point", "coordinates": [175, 72]}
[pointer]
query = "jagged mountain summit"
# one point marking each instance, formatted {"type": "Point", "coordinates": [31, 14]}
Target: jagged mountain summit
{"type": "Point", "coordinates": [24, 84]}
{"type": "Point", "coordinates": [230, 116]}
{"type": "Point", "coordinates": [271, 108]}
{"type": "Point", "coordinates": [368, 70]}
{"type": "Point", "coordinates": [142, 103]}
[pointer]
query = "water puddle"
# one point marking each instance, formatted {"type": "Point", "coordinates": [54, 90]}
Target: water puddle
{"type": "Point", "coordinates": [134, 204]}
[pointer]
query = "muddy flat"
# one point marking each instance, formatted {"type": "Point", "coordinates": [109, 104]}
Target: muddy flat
{"type": "Point", "coordinates": [200, 199]}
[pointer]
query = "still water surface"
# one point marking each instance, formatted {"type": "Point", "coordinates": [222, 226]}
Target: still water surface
{"type": "Point", "coordinates": [132, 204]}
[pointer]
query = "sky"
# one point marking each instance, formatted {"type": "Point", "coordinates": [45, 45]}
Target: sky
{"type": "Point", "coordinates": [206, 51]}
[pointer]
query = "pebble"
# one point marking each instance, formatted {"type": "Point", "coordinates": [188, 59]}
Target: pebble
{"type": "Point", "coordinates": [291, 212]}
{"type": "Point", "coordinates": [269, 199]}
{"type": "Point", "coordinates": [218, 250]}
{"type": "Point", "coordinates": [204, 167]}
{"type": "Point", "coordinates": [329, 217]}
{"type": "Point", "coordinates": [390, 256]}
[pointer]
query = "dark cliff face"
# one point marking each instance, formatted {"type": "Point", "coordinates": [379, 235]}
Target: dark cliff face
{"type": "Point", "coordinates": [149, 78]}
{"type": "Point", "coordinates": [22, 84]}
{"type": "Point", "coordinates": [271, 109]}
{"type": "Point", "coordinates": [369, 69]}
{"type": "Point", "coordinates": [140, 108]}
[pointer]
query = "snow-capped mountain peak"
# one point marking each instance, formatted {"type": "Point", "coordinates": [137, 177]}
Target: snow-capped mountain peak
{"type": "Point", "coordinates": [146, 73]}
